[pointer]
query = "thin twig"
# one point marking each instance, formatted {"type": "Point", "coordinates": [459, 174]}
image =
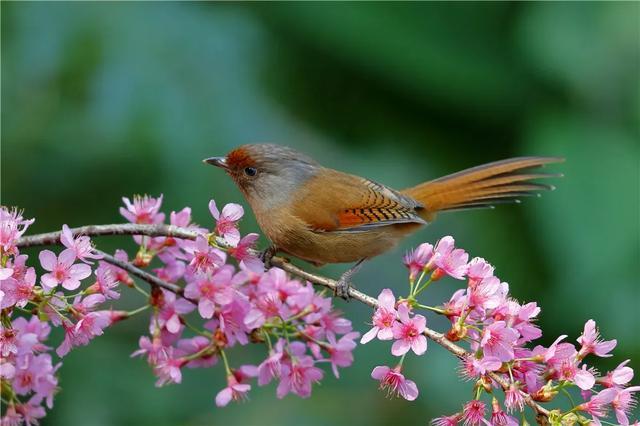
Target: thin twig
{"type": "Point", "coordinates": [183, 233]}
{"type": "Point", "coordinates": [145, 276]}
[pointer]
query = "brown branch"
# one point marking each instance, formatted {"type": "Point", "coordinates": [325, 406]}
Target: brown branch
{"type": "Point", "coordinates": [183, 233]}
{"type": "Point", "coordinates": [51, 238]}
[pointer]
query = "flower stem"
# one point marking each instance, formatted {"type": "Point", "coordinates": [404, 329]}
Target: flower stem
{"type": "Point", "coordinates": [137, 311]}
{"type": "Point", "coordinates": [424, 286]}
{"type": "Point", "coordinates": [432, 308]}
{"type": "Point", "coordinates": [196, 330]}
{"type": "Point", "coordinates": [140, 290]}
{"type": "Point", "coordinates": [226, 362]}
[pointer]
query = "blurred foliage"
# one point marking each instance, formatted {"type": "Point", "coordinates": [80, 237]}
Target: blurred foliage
{"type": "Point", "coordinates": [109, 99]}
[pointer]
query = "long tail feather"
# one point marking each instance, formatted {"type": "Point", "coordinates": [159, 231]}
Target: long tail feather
{"type": "Point", "coordinates": [483, 186]}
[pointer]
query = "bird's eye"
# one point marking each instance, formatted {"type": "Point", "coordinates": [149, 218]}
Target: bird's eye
{"type": "Point", "coordinates": [250, 171]}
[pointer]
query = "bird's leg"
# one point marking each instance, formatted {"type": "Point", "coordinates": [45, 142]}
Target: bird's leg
{"type": "Point", "coordinates": [267, 254]}
{"type": "Point", "coordinates": [343, 284]}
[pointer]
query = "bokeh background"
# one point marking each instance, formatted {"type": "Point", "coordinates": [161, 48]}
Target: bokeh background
{"type": "Point", "coordinates": [111, 99]}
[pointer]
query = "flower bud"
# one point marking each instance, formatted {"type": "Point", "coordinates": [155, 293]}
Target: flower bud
{"type": "Point", "coordinates": [143, 258]}
{"type": "Point", "coordinates": [457, 332]}
{"type": "Point", "coordinates": [545, 393]}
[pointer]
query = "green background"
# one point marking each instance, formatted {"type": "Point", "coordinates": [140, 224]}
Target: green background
{"type": "Point", "coordinates": [105, 100]}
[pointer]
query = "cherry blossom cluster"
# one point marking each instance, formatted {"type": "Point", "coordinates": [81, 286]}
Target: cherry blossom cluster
{"type": "Point", "coordinates": [209, 292]}
{"type": "Point", "coordinates": [500, 358]}
{"type": "Point", "coordinates": [216, 307]}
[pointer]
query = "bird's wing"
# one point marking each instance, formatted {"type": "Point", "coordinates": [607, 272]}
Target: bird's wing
{"type": "Point", "coordinates": [338, 202]}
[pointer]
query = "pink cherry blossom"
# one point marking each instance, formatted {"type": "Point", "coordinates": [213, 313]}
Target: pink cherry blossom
{"type": "Point", "coordinates": [62, 270]}
{"type": "Point", "coordinates": [152, 348]}
{"type": "Point", "coordinates": [143, 210]}
{"type": "Point", "coordinates": [81, 245]}
{"type": "Point", "coordinates": [227, 221]}
{"type": "Point", "coordinates": [234, 391]}
{"type": "Point", "coordinates": [478, 270]}
{"type": "Point", "coordinates": [623, 403]}
{"type": "Point", "coordinates": [473, 368]}
{"type": "Point", "coordinates": [451, 420]}
{"type": "Point", "coordinates": [591, 343]}
{"type": "Point", "coordinates": [196, 345]}
{"type": "Point", "coordinates": [181, 218]}
{"type": "Point", "coordinates": [172, 270]}
{"type": "Point", "coordinates": [35, 374]}
{"type": "Point", "coordinates": [12, 227]}
{"type": "Point", "coordinates": [169, 312]}
{"type": "Point", "coordinates": [449, 261]}
{"type": "Point", "coordinates": [231, 321]}
{"type": "Point", "coordinates": [499, 417]}
{"type": "Point", "coordinates": [416, 260]}
{"type": "Point", "coordinates": [8, 341]}
{"type": "Point", "coordinates": [5, 273]}
{"type": "Point", "coordinates": [498, 340]}
{"type": "Point", "coordinates": [119, 274]}
{"type": "Point", "coordinates": [106, 283]}
{"type": "Point", "coordinates": [243, 255]}
{"type": "Point", "coordinates": [17, 292]}
{"type": "Point", "coordinates": [32, 334]}
{"type": "Point", "coordinates": [168, 367]}
{"type": "Point", "coordinates": [31, 412]}
{"type": "Point", "coordinates": [392, 380]}
{"type": "Point", "coordinates": [341, 351]}
{"type": "Point", "coordinates": [205, 259]}
{"type": "Point", "coordinates": [383, 318]}
{"type": "Point", "coordinates": [582, 377]}
{"type": "Point", "coordinates": [513, 399]}
{"type": "Point", "coordinates": [11, 417]}
{"type": "Point", "coordinates": [473, 413]}
{"type": "Point", "coordinates": [597, 405]}
{"type": "Point", "coordinates": [267, 303]}
{"type": "Point", "coordinates": [408, 333]}
{"type": "Point", "coordinates": [620, 376]}
{"type": "Point", "coordinates": [487, 294]}
{"type": "Point", "coordinates": [210, 290]}
{"type": "Point", "coordinates": [298, 376]}
{"type": "Point", "coordinates": [271, 367]}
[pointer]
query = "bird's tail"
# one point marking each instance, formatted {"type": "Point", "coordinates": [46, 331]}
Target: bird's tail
{"type": "Point", "coordinates": [483, 186]}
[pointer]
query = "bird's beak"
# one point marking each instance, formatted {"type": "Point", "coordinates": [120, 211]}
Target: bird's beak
{"type": "Point", "coordinates": [216, 161]}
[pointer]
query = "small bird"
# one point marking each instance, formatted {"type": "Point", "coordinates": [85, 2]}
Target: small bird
{"type": "Point", "coordinates": [324, 216]}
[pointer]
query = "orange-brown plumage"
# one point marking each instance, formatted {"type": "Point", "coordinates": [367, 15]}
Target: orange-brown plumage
{"type": "Point", "coordinates": [325, 216]}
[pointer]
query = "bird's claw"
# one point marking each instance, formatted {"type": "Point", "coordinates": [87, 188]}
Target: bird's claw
{"type": "Point", "coordinates": [342, 288]}
{"type": "Point", "coordinates": [266, 255]}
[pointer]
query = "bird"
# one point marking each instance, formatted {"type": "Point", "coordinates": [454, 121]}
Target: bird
{"type": "Point", "coordinates": [322, 215]}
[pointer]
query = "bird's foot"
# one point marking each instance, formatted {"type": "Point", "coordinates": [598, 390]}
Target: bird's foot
{"type": "Point", "coordinates": [266, 255]}
{"type": "Point", "coordinates": [342, 286]}
{"type": "Point", "coordinates": [344, 283]}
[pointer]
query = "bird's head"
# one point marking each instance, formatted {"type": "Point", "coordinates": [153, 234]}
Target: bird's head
{"type": "Point", "coordinates": [267, 174]}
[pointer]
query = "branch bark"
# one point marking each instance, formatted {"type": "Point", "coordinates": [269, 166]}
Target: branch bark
{"type": "Point", "coordinates": [53, 238]}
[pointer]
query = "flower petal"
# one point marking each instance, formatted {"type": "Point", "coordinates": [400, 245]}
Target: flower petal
{"type": "Point", "coordinates": [419, 345]}
{"type": "Point", "coordinates": [224, 397]}
{"type": "Point", "coordinates": [214, 210]}
{"type": "Point", "coordinates": [48, 259]}
{"type": "Point", "coordinates": [387, 300]}
{"type": "Point", "coordinates": [232, 211]}
{"type": "Point", "coordinates": [380, 372]}
{"type": "Point", "coordinates": [80, 271]}
{"type": "Point", "coordinates": [400, 347]}
{"type": "Point", "coordinates": [206, 308]}
{"type": "Point", "coordinates": [409, 391]}
{"type": "Point", "coordinates": [67, 257]}
{"type": "Point", "coordinates": [584, 379]}
{"type": "Point", "coordinates": [369, 335]}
